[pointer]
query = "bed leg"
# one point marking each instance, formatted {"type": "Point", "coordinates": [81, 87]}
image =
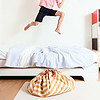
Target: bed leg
{"type": "Point", "coordinates": [90, 77]}
{"type": "Point", "coordinates": [91, 73]}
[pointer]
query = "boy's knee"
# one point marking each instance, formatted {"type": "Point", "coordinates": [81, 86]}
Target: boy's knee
{"type": "Point", "coordinates": [62, 14]}
{"type": "Point", "coordinates": [36, 23]}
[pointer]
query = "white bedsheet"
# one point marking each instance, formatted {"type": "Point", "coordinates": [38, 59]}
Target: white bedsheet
{"type": "Point", "coordinates": [51, 56]}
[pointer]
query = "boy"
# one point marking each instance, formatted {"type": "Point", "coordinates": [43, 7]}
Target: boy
{"type": "Point", "coordinates": [46, 10]}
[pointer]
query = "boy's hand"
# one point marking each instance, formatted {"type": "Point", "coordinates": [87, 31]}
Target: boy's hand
{"type": "Point", "coordinates": [59, 4]}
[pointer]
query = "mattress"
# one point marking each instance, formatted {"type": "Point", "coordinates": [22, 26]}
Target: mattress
{"type": "Point", "coordinates": [2, 63]}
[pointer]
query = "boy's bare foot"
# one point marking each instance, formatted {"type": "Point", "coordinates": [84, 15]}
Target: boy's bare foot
{"type": "Point", "coordinates": [58, 31]}
{"type": "Point", "coordinates": [27, 27]}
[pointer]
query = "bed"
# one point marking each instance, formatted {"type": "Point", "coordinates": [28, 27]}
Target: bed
{"type": "Point", "coordinates": [89, 73]}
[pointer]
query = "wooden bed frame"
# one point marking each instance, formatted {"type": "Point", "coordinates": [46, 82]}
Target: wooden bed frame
{"type": "Point", "coordinates": [88, 74]}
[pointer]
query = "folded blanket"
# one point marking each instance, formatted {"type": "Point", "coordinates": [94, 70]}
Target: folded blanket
{"type": "Point", "coordinates": [14, 55]}
{"type": "Point", "coordinates": [51, 56]}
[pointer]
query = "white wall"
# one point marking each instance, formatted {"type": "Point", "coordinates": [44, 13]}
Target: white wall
{"type": "Point", "coordinates": [76, 27]}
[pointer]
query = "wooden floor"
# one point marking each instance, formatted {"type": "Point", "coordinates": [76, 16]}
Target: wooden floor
{"type": "Point", "coordinates": [9, 86]}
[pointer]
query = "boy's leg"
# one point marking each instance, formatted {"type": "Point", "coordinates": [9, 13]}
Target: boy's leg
{"type": "Point", "coordinates": [39, 18]}
{"type": "Point", "coordinates": [31, 24]}
{"type": "Point", "coordinates": [61, 17]}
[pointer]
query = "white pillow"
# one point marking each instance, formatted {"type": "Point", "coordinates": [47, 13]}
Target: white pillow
{"type": "Point", "coordinates": [3, 52]}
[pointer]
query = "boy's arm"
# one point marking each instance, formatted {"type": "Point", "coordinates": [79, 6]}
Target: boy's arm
{"type": "Point", "coordinates": [59, 4]}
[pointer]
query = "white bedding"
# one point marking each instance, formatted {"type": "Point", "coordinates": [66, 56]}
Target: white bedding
{"type": "Point", "coordinates": [53, 57]}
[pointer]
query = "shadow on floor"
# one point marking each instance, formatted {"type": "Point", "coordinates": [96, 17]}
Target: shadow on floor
{"type": "Point", "coordinates": [16, 77]}
{"type": "Point", "coordinates": [31, 77]}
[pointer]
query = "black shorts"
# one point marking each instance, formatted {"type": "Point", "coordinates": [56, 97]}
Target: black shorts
{"type": "Point", "coordinates": [44, 12]}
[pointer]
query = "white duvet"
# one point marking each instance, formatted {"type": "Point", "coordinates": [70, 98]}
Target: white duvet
{"type": "Point", "coordinates": [51, 56]}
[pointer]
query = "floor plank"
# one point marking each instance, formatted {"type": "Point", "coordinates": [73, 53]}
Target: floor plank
{"type": "Point", "coordinates": [9, 88]}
